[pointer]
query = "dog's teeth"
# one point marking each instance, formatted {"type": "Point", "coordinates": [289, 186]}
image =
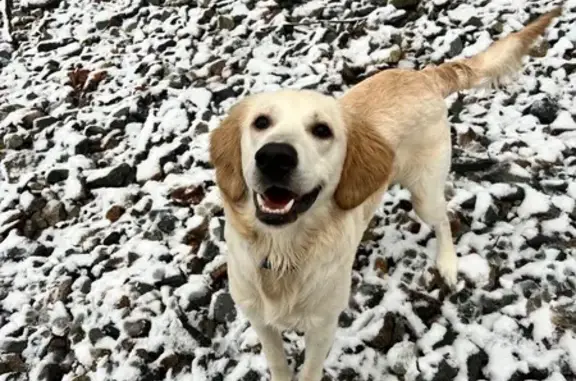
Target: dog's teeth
{"type": "Point", "coordinates": [260, 200]}
{"type": "Point", "coordinates": [288, 206]}
{"type": "Point", "coordinates": [262, 205]}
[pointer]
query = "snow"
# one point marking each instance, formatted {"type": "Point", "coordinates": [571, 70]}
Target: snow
{"type": "Point", "coordinates": [474, 268]}
{"type": "Point", "coordinates": [543, 327]}
{"type": "Point", "coordinates": [534, 202]}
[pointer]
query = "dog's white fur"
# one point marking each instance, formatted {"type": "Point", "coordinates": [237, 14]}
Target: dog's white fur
{"type": "Point", "coordinates": [390, 128]}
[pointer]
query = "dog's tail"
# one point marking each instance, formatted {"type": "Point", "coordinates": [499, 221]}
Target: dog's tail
{"type": "Point", "coordinates": [502, 59]}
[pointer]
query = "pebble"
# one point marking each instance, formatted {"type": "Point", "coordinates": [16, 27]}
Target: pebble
{"type": "Point", "coordinates": [137, 328]}
{"type": "Point", "coordinates": [545, 109]}
{"type": "Point", "coordinates": [13, 141]}
{"type": "Point", "coordinates": [118, 176]}
{"type": "Point", "coordinates": [223, 307]}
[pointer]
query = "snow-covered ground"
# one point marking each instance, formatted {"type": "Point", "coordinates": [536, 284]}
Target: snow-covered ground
{"type": "Point", "coordinates": [112, 262]}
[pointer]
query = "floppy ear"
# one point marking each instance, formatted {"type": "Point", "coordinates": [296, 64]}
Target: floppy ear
{"type": "Point", "coordinates": [367, 166]}
{"type": "Point", "coordinates": [226, 155]}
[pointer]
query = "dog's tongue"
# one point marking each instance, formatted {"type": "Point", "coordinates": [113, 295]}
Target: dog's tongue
{"type": "Point", "coordinates": [277, 199]}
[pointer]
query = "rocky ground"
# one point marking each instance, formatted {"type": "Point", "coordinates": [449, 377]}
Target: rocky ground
{"type": "Point", "coordinates": [112, 261]}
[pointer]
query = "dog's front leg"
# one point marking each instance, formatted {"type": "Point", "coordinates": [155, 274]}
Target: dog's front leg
{"type": "Point", "coordinates": [273, 348]}
{"type": "Point", "coordinates": [318, 342]}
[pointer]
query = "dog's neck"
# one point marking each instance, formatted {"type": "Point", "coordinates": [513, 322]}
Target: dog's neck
{"type": "Point", "coordinates": [285, 250]}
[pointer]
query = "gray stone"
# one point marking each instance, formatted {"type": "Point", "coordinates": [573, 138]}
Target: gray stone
{"type": "Point", "coordinates": [456, 47]}
{"type": "Point", "coordinates": [402, 4]}
{"type": "Point", "coordinates": [13, 141]}
{"type": "Point", "coordinates": [12, 345]}
{"type": "Point", "coordinates": [43, 122]}
{"type": "Point", "coordinates": [54, 212]}
{"type": "Point", "coordinates": [137, 328]}
{"type": "Point", "coordinates": [56, 175]}
{"type": "Point", "coordinates": [119, 176]}
{"type": "Point", "coordinates": [401, 356]}
{"type": "Point", "coordinates": [223, 308]}
{"type": "Point", "coordinates": [39, 4]}
{"type": "Point", "coordinates": [51, 372]}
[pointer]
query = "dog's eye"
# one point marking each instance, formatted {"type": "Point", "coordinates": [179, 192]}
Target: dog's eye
{"type": "Point", "coordinates": [322, 131]}
{"type": "Point", "coordinates": [262, 122]}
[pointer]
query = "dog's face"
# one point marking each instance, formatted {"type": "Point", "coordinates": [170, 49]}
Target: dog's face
{"type": "Point", "coordinates": [293, 148]}
{"type": "Point", "coordinates": [288, 152]}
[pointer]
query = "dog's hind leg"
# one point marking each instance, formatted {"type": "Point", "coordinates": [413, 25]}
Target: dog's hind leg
{"type": "Point", "coordinates": [427, 192]}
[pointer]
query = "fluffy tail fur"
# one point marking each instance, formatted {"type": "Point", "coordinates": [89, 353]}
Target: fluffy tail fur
{"type": "Point", "coordinates": [502, 59]}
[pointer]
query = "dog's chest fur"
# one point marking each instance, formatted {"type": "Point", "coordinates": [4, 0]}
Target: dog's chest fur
{"type": "Point", "coordinates": [309, 274]}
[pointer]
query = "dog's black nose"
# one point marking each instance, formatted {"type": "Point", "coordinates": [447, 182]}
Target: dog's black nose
{"type": "Point", "coordinates": [276, 160]}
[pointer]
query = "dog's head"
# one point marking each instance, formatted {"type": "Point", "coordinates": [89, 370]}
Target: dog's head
{"type": "Point", "coordinates": [289, 152]}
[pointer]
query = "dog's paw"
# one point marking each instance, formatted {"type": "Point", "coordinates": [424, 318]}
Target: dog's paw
{"type": "Point", "coordinates": [447, 266]}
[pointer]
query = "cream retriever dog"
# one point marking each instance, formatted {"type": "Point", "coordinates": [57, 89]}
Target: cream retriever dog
{"type": "Point", "coordinates": [301, 175]}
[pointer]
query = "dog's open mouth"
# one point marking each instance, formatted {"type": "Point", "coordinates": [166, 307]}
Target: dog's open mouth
{"type": "Point", "coordinates": [278, 206]}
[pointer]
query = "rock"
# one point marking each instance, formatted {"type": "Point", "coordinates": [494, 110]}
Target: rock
{"type": "Point", "coordinates": [527, 287]}
{"type": "Point", "coordinates": [402, 4]}
{"type": "Point", "coordinates": [401, 356]}
{"type": "Point", "coordinates": [464, 166]}
{"type": "Point", "coordinates": [456, 47]}
{"type": "Point", "coordinates": [113, 238]}
{"type": "Point", "coordinates": [545, 109]}
{"type": "Point", "coordinates": [110, 330]}
{"type": "Point", "coordinates": [51, 372]}
{"type": "Point", "coordinates": [188, 195]}
{"type": "Point", "coordinates": [225, 22]}
{"type": "Point", "coordinates": [195, 265]}
{"type": "Point", "coordinates": [448, 339]}
{"type": "Point", "coordinates": [39, 4]}
{"type": "Point", "coordinates": [54, 212]}
{"type": "Point", "coordinates": [490, 305]}
{"type": "Point", "coordinates": [474, 21]}
{"type": "Point", "coordinates": [445, 372]}
{"type": "Point", "coordinates": [427, 308]}
{"type": "Point", "coordinates": [168, 43]}
{"type": "Point", "coordinates": [105, 20]}
{"type": "Point", "coordinates": [58, 347]}
{"type": "Point", "coordinates": [167, 223]}
{"type": "Point", "coordinates": [95, 334]}
{"type": "Point", "coordinates": [48, 45]}
{"type": "Point", "coordinates": [565, 317]}
{"type": "Point", "coordinates": [31, 204]}
{"type": "Point", "coordinates": [176, 362]}
{"type": "Point", "coordinates": [347, 374]}
{"type": "Point", "coordinates": [223, 308]}
{"type": "Point", "coordinates": [12, 345]}
{"type": "Point", "coordinates": [252, 375]}
{"type": "Point", "coordinates": [13, 141]}
{"type": "Point", "coordinates": [394, 328]}
{"type": "Point", "coordinates": [56, 175]}
{"type": "Point", "coordinates": [118, 176]}
{"type": "Point", "coordinates": [6, 51]}
{"type": "Point", "coordinates": [11, 363]}
{"type": "Point", "coordinates": [373, 292]}
{"type": "Point", "coordinates": [210, 251]}
{"type": "Point", "coordinates": [115, 212]}
{"type": "Point", "coordinates": [137, 328]}
{"type": "Point", "coordinates": [86, 146]}
{"type": "Point", "coordinates": [475, 363]}
{"type": "Point", "coordinates": [142, 207]}
{"type": "Point", "coordinates": [43, 122]}
{"type": "Point", "coordinates": [216, 67]}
